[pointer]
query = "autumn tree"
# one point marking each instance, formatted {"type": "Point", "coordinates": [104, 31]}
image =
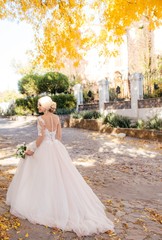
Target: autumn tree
{"type": "Point", "coordinates": [65, 29]}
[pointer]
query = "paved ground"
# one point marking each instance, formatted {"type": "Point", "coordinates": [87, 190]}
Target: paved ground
{"type": "Point", "coordinates": [125, 174]}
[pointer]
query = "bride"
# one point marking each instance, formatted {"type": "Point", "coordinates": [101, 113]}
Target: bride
{"type": "Point", "coordinates": [47, 188]}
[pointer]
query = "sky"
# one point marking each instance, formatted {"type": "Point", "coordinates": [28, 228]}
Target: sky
{"type": "Point", "coordinates": [15, 40]}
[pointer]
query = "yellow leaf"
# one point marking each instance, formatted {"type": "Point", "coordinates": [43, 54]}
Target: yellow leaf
{"type": "Point", "coordinates": [26, 235]}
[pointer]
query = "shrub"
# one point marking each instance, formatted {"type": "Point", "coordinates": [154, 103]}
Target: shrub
{"type": "Point", "coordinates": [21, 111]}
{"type": "Point", "coordinates": [115, 120]}
{"type": "Point", "coordinates": [64, 111]}
{"type": "Point", "coordinates": [26, 106]}
{"type": "Point", "coordinates": [140, 124]}
{"type": "Point", "coordinates": [88, 96]}
{"type": "Point", "coordinates": [151, 123]}
{"type": "Point", "coordinates": [86, 115]}
{"type": "Point", "coordinates": [112, 94]}
{"type": "Point", "coordinates": [91, 115]}
{"type": "Point", "coordinates": [64, 101]}
{"type": "Point", "coordinates": [77, 115]}
{"type": "Point", "coordinates": [154, 123]}
{"type": "Point", "coordinates": [65, 104]}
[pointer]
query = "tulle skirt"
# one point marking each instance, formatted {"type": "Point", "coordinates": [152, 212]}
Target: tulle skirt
{"type": "Point", "coordinates": [48, 189]}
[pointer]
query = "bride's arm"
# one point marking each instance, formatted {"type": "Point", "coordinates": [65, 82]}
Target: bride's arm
{"type": "Point", "coordinates": [58, 131]}
{"type": "Point", "coordinates": [33, 145]}
{"type": "Point", "coordinates": [41, 131]}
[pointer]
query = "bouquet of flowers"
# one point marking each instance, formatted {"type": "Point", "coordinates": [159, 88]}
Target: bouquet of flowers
{"type": "Point", "coordinates": [20, 152]}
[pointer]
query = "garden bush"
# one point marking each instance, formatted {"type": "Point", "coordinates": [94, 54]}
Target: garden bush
{"type": "Point", "coordinates": [21, 111]}
{"type": "Point", "coordinates": [77, 115]}
{"type": "Point", "coordinates": [86, 115]}
{"type": "Point", "coordinates": [26, 106]}
{"type": "Point", "coordinates": [114, 120]}
{"type": "Point", "coordinates": [64, 111]}
{"type": "Point", "coordinates": [66, 104]}
{"type": "Point", "coordinates": [91, 115]}
{"type": "Point", "coordinates": [140, 124]}
{"type": "Point", "coordinates": [152, 123]}
{"type": "Point", "coordinates": [88, 96]}
{"type": "Point", "coordinates": [64, 101]}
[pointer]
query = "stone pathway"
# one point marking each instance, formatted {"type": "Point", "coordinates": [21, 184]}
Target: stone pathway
{"type": "Point", "coordinates": [125, 174]}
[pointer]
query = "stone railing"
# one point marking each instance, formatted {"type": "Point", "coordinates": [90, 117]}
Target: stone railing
{"type": "Point", "coordinates": [150, 103]}
{"type": "Point", "coordinates": [89, 106]}
{"type": "Point", "coordinates": [144, 103]}
{"type": "Point", "coordinates": [118, 105]}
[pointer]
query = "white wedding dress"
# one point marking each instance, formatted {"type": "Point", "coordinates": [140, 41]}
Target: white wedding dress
{"type": "Point", "coordinates": [48, 189]}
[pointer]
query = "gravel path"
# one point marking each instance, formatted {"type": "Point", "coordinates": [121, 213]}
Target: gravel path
{"type": "Point", "coordinates": [125, 174]}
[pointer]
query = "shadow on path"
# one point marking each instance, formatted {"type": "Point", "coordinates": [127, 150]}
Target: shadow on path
{"type": "Point", "coordinates": [125, 175]}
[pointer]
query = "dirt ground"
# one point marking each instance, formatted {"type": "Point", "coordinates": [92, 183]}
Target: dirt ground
{"type": "Point", "coordinates": [126, 174]}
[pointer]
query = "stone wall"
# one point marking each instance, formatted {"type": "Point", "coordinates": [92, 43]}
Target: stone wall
{"type": "Point", "coordinates": [146, 108]}
{"type": "Point", "coordinates": [90, 124]}
{"type": "Point", "coordinates": [89, 106]}
{"type": "Point", "coordinates": [150, 103]}
{"type": "Point", "coordinates": [118, 105]}
{"type": "Point", "coordinates": [97, 125]}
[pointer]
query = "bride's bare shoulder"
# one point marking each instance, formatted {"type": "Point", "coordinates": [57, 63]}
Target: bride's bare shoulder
{"type": "Point", "coordinates": [56, 117]}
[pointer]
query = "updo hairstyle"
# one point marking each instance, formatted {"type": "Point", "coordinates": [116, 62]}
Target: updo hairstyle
{"type": "Point", "coordinates": [52, 108]}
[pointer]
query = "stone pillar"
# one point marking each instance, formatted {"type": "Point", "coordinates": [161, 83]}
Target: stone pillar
{"type": "Point", "coordinates": [103, 93]}
{"type": "Point", "coordinates": [78, 93]}
{"type": "Point", "coordinates": [136, 82]}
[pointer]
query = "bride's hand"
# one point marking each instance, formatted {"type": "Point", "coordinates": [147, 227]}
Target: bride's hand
{"type": "Point", "coordinates": [29, 152]}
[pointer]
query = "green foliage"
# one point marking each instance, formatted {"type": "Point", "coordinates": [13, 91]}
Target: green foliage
{"type": "Point", "coordinates": [153, 83]}
{"type": "Point", "coordinates": [158, 92]}
{"type": "Point", "coordinates": [88, 96]}
{"type": "Point", "coordinates": [155, 94]}
{"type": "Point", "coordinates": [154, 123]}
{"type": "Point", "coordinates": [64, 101]}
{"type": "Point", "coordinates": [26, 106]}
{"type": "Point", "coordinates": [28, 85]}
{"type": "Point", "coordinates": [112, 94]}
{"type": "Point", "coordinates": [140, 124]}
{"type": "Point", "coordinates": [64, 111]}
{"type": "Point", "coordinates": [65, 104]}
{"type": "Point", "coordinates": [91, 115]}
{"type": "Point", "coordinates": [86, 115]}
{"type": "Point", "coordinates": [76, 115]}
{"type": "Point", "coordinates": [115, 120]}
{"type": "Point", "coordinates": [21, 111]}
{"type": "Point", "coordinates": [52, 83]}
{"type": "Point", "coordinates": [20, 152]}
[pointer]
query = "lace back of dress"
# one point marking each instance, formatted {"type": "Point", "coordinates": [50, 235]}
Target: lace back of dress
{"type": "Point", "coordinates": [50, 135]}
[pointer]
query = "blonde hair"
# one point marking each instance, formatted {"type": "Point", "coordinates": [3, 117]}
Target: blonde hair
{"type": "Point", "coordinates": [53, 107]}
{"type": "Point", "coordinates": [47, 103]}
